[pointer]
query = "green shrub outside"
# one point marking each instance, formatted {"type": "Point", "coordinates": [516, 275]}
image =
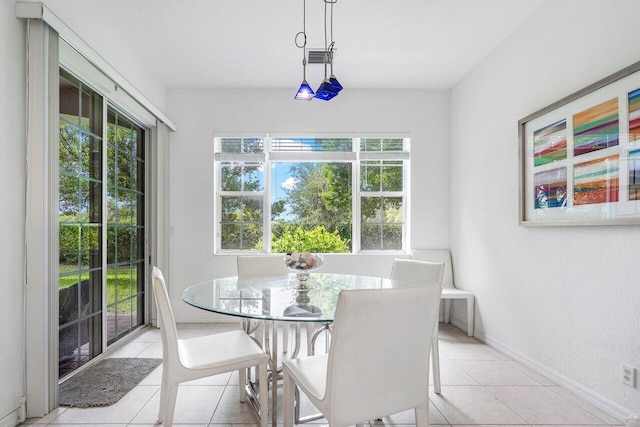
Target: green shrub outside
{"type": "Point", "coordinates": [318, 240]}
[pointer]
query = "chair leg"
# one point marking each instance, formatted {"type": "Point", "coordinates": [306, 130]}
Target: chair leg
{"type": "Point", "coordinates": [287, 400]}
{"type": "Point", "coordinates": [163, 396]}
{"type": "Point", "coordinates": [470, 316]}
{"type": "Point", "coordinates": [422, 416]}
{"type": "Point", "coordinates": [264, 394]}
{"type": "Point", "coordinates": [259, 334]}
{"type": "Point", "coordinates": [242, 382]}
{"type": "Point", "coordinates": [310, 332]}
{"type": "Point", "coordinates": [435, 363]}
{"type": "Point", "coordinates": [447, 310]}
{"type": "Point", "coordinates": [172, 395]}
{"type": "Point", "coordinates": [285, 338]}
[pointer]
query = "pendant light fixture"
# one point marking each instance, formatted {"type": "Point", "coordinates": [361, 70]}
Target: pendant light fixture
{"type": "Point", "coordinates": [305, 93]}
{"type": "Point", "coordinates": [330, 86]}
{"type": "Point", "coordinates": [326, 91]}
{"type": "Point", "coordinates": [334, 81]}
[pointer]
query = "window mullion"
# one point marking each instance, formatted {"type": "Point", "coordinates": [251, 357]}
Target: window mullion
{"type": "Point", "coordinates": [241, 193]}
{"type": "Point", "coordinates": [266, 198]}
{"type": "Point", "coordinates": [382, 194]}
{"type": "Point", "coordinates": [217, 206]}
{"type": "Point", "coordinates": [406, 238]}
{"type": "Point", "coordinates": [355, 199]}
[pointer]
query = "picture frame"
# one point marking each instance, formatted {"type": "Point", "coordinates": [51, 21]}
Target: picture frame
{"type": "Point", "coordinates": [579, 158]}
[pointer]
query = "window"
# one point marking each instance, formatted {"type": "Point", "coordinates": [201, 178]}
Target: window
{"type": "Point", "coordinates": [328, 195]}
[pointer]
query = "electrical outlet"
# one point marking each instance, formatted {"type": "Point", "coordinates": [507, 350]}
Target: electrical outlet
{"type": "Point", "coordinates": [628, 375]}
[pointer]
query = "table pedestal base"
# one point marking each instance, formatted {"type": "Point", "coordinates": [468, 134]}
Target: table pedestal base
{"type": "Point", "coordinates": [270, 345]}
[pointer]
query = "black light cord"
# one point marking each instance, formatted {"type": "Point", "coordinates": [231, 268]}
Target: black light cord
{"type": "Point", "coordinates": [332, 3]}
{"type": "Point", "coordinates": [304, 28]}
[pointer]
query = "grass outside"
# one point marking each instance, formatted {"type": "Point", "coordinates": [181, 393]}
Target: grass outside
{"type": "Point", "coordinates": [124, 277]}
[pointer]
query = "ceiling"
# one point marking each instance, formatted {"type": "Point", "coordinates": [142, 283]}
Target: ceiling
{"type": "Point", "coordinates": [390, 44]}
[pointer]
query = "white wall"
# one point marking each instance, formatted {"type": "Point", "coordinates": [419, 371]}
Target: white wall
{"type": "Point", "coordinates": [201, 113]}
{"type": "Point", "coordinates": [566, 299]}
{"type": "Point", "coordinates": [12, 213]}
{"type": "Point", "coordinates": [103, 36]}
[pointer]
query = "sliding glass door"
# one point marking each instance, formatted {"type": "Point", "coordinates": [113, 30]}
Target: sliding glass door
{"type": "Point", "coordinates": [80, 219]}
{"type": "Point", "coordinates": [101, 277]}
{"type": "Point", "coordinates": [125, 225]}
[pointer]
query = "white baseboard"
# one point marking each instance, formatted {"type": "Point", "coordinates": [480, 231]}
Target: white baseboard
{"type": "Point", "coordinates": [11, 420]}
{"type": "Point", "coordinates": [458, 323]}
{"type": "Point", "coordinates": [607, 406]}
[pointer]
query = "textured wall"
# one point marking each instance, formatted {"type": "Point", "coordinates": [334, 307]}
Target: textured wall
{"type": "Point", "coordinates": [566, 299]}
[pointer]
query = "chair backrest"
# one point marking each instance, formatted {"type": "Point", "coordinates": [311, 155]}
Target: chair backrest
{"type": "Point", "coordinates": [378, 359]}
{"type": "Point", "coordinates": [419, 272]}
{"type": "Point", "coordinates": [260, 267]}
{"type": "Point", "coordinates": [166, 319]}
{"type": "Point", "coordinates": [437, 255]}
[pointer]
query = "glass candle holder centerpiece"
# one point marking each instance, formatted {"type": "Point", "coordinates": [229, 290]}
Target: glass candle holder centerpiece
{"type": "Point", "coordinates": [302, 263]}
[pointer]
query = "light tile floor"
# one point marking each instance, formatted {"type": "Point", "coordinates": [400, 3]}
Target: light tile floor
{"type": "Point", "coordinates": [480, 387]}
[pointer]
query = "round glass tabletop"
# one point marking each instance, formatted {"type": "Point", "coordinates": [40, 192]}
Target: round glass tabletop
{"type": "Point", "coordinates": [278, 297]}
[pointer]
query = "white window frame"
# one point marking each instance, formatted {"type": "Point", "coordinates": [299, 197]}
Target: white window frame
{"type": "Point", "coordinates": [269, 156]}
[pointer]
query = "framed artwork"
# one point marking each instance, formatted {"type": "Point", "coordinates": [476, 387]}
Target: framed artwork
{"type": "Point", "coordinates": [580, 156]}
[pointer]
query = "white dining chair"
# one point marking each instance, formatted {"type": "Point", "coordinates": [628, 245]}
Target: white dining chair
{"type": "Point", "coordinates": [422, 273]}
{"type": "Point", "coordinates": [205, 356]}
{"type": "Point", "coordinates": [261, 267]}
{"type": "Point", "coordinates": [449, 291]}
{"type": "Point", "coordinates": [376, 362]}
{"type": "Point", "coordinates": [257, 268]}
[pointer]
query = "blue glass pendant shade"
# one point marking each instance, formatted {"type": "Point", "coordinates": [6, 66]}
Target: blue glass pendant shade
{"type": "Point", "coordinates": [305, 93]}
{"type": "Point", "coordinates": [326, 91]}
{"type": "Point", "coordinates": [335, 83]}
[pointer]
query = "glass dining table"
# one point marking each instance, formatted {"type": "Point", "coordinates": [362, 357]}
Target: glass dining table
{"type": "Point", "coordinates": [268, 300]}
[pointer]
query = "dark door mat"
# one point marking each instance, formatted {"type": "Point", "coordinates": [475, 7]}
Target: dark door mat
{"type": "Point", "coordinates": [106, 382]}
